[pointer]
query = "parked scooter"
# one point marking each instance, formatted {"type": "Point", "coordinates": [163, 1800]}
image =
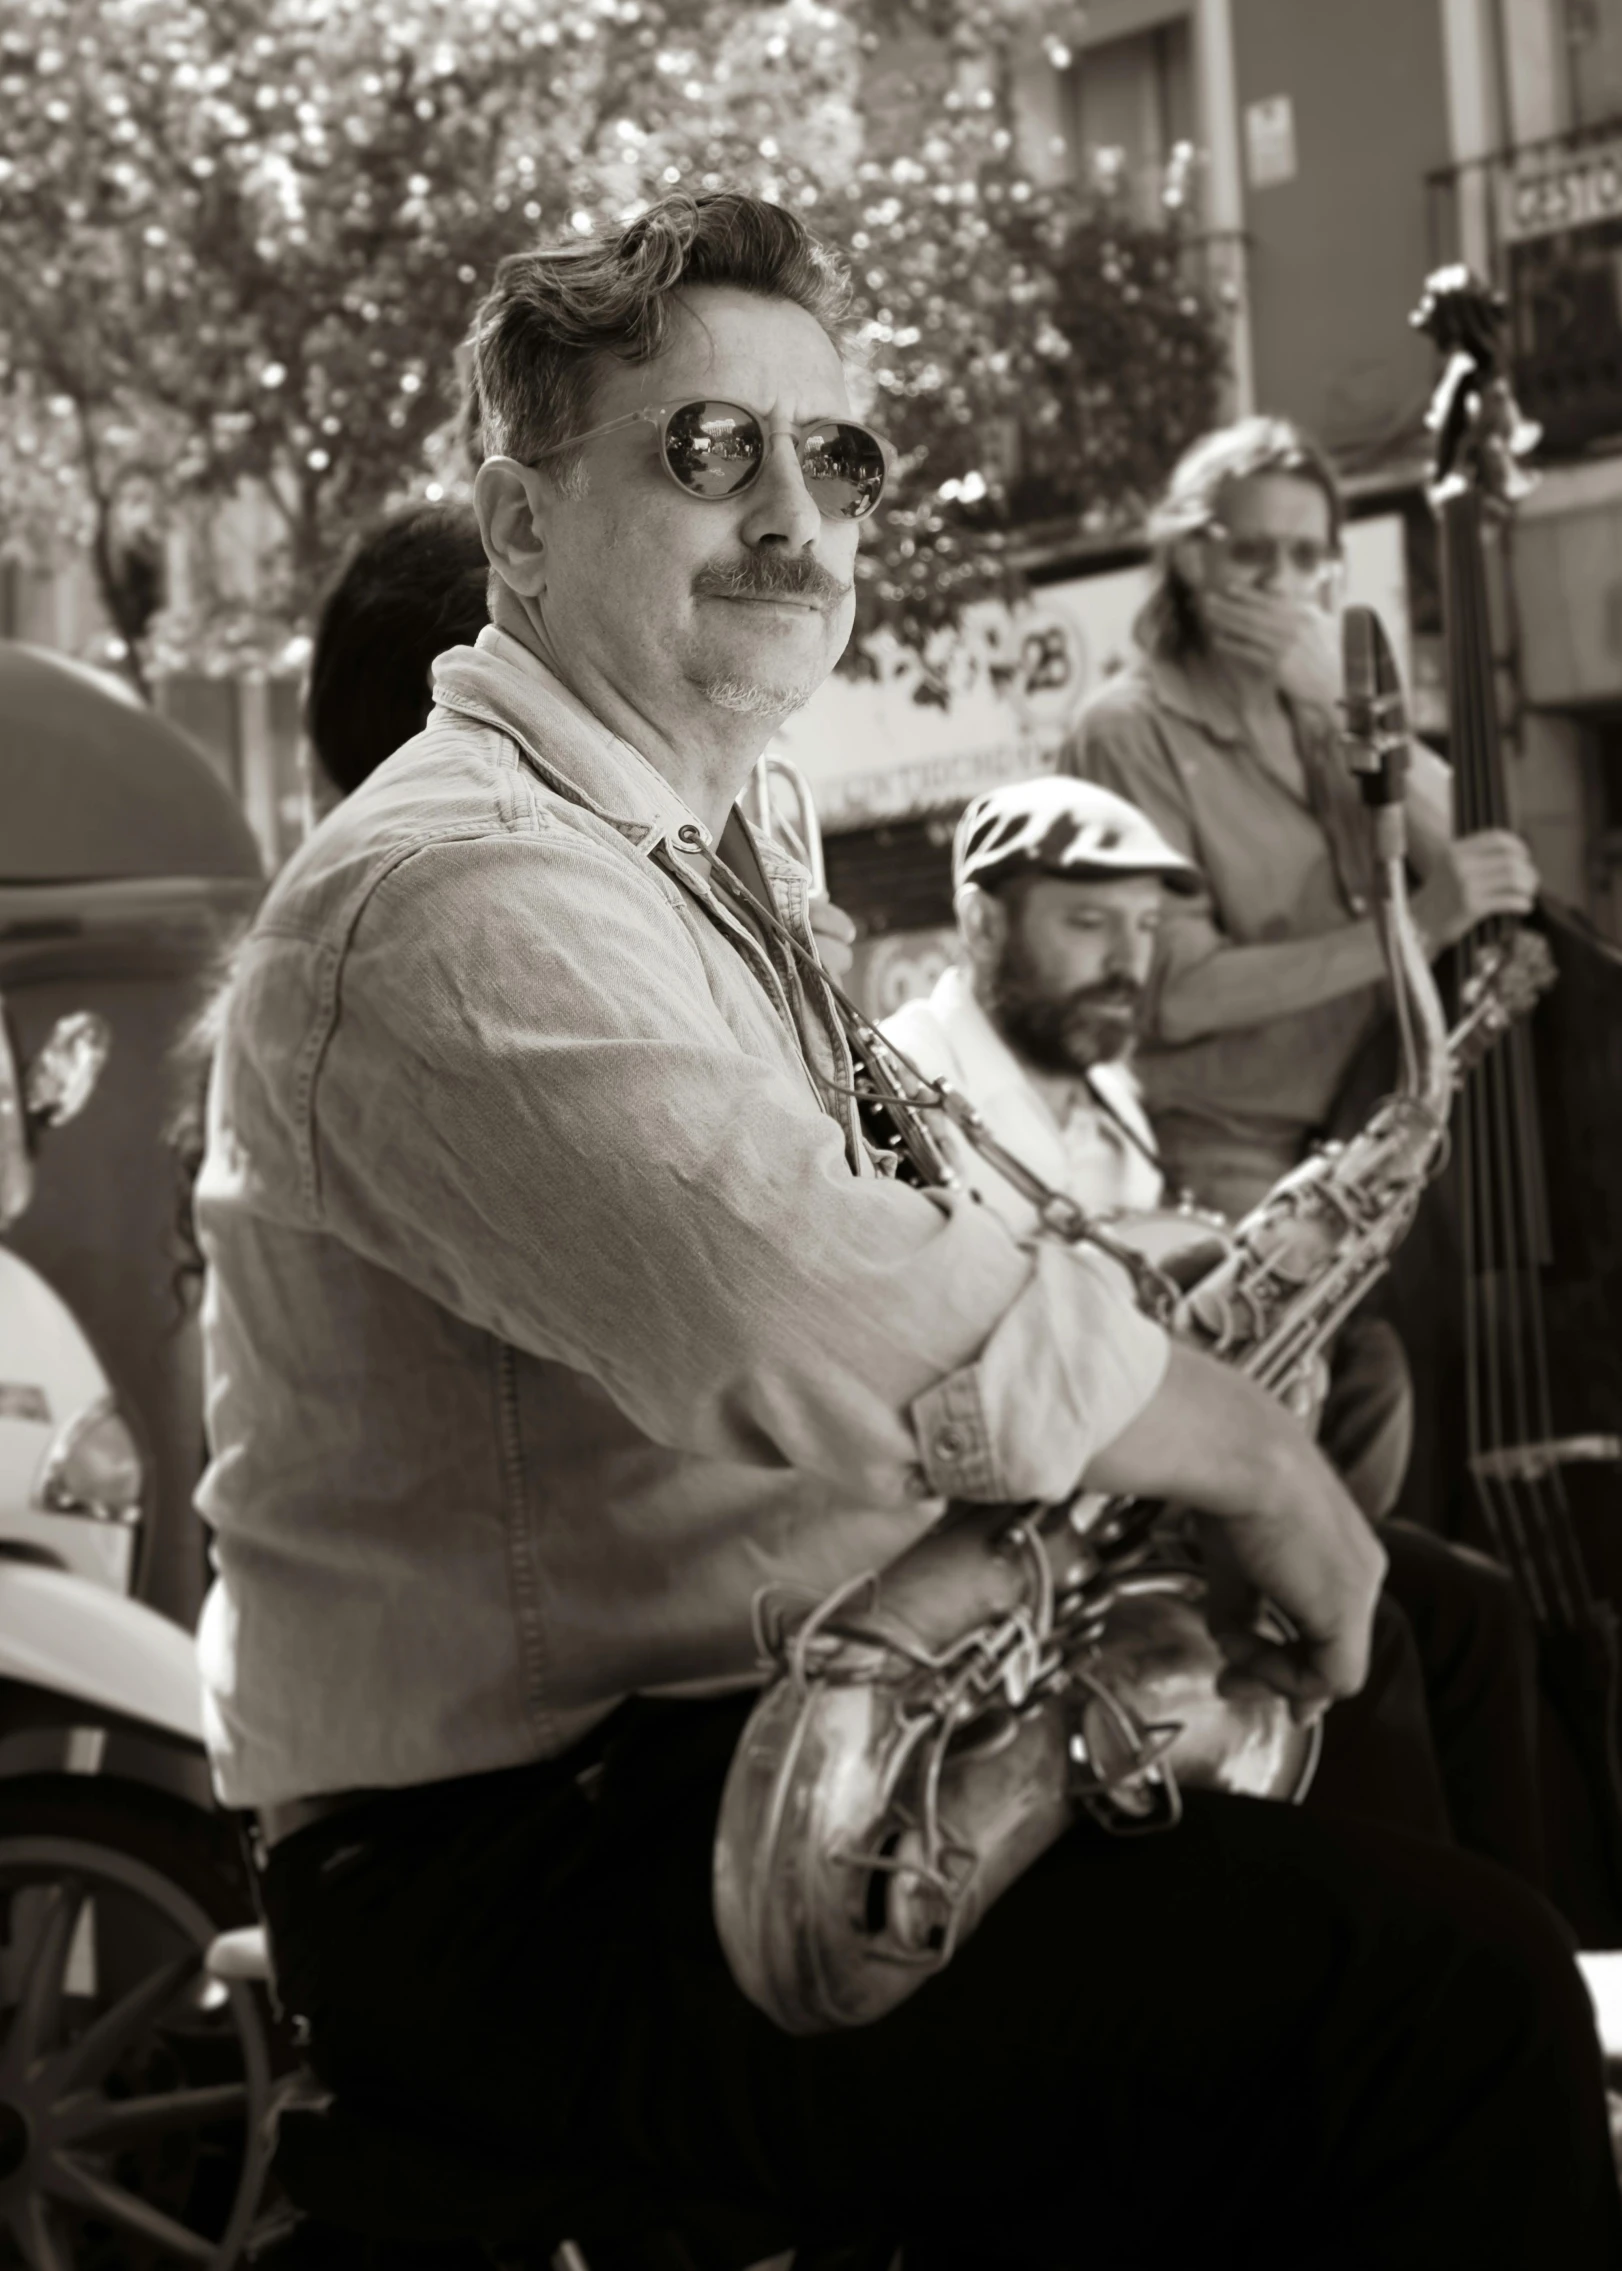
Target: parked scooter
{"type": "Point", "coordinates": [66, 1446]}
{"type": "Point", "coordinates": [134, 2081]}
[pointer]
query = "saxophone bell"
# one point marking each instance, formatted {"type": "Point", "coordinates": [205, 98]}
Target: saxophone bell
{"type": "Point", "coordinates": [931, 1729]}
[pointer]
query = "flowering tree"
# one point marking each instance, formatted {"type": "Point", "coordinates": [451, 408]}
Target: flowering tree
{"type": "Point", "coordinates": [1040, 355]}
{"type": "Point", "coordinates": [239, 243]}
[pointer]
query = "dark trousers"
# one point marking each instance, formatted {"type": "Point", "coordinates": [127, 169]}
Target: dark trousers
{"type": "Point", "coordinates": [1366, 1428]}
{"type": "Point", "coordinates": [1443, 1738]}
{"type": "Point", "coordinates": [1263, 2037]}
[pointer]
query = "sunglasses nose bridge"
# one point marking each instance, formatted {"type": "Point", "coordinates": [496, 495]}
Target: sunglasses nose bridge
{"type": "Point", "coordinates": [1277, 556]}
{"type": "Point", "coordinates": [772, 479]}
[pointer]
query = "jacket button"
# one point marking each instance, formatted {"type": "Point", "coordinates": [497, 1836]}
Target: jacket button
{"type": "Point", "coordinates": [949, 1445]}
{"type": "Point", "coordinates": [690, 834]}
{"type": "Point", "coordinates": [1358, 903]}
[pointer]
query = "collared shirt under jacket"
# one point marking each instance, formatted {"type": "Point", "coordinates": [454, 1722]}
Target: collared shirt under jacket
{"type": "Point", "coordinates": [1275, 865]}
{"type": "Point", "coordinates": [553, 1309]}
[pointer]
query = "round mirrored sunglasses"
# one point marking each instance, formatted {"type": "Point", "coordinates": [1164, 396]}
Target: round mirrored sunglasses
{"type": "Point", "coordinates": [713, 450]}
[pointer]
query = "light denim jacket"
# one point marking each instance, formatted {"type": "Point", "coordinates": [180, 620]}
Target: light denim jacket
{"type": "Point", "coordinates": [547, 1319]}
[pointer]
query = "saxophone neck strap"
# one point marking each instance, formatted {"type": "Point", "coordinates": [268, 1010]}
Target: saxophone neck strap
{"type": "Point", "coordinates": [1119, 1121]}
{"type": "Point", "coordinates": [913, 1093]}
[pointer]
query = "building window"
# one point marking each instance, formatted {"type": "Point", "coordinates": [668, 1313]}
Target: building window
{"type": "Point", "coordinates": [896, 875]}
{"type": "Point", "coordinates": [1566, 298]}
{"type": "Point", "coordinates": [1134, 96]}
{"type": "Point", "coordinates": [1590, 34]}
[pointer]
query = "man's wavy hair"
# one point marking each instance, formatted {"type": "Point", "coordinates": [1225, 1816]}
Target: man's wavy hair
{"type": "Point", "coordinates": [1168, 623]}
{"type": "Point", "coordinates": [555, 315]}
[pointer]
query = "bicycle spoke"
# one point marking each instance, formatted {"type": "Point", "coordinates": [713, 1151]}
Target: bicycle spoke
{"type": "Point", "coordinates": [90, 2057]}
{"type": "Point", "coordinates": [38, 2015]}
{"type": "Point", "coordinates": [33, 2227]}
{"type": "Point", "coordinates": [110, 2120]}
{"type": "Point", "coordinates": [69, 2180]}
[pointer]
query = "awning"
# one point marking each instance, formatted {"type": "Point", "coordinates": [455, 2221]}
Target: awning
{"type": "Point", "coordinates": [94, 786]}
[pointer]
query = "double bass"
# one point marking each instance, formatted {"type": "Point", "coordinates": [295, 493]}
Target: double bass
{"type": "Point", "coordinates": [1510, 1294]}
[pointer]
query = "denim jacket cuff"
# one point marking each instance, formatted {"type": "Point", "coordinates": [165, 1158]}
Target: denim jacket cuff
{"type": "Point", "coordinates": [954, 1441]}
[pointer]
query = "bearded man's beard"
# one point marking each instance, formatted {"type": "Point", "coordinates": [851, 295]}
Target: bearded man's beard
{"type": "Point", "coordinates": [1062, 1033]}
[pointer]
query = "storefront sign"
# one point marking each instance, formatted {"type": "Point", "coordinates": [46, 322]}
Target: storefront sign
{"type": "Point", "coordinates": [997, 703]}
{"type": "Point", "coordinates": [1270, 141]}
{"type": "Point", "coordinates": [1568, 189]}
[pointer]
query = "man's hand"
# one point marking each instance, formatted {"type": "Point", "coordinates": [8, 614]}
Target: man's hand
{"type": "Point", "coordinates": [1471, 878]}
{"type": "Point", "coordinates": [1276, 1521]}
{"type": "Point", "coordinates": [835, 935]}
{"type": "Point", "coordinates": [1294, 642]}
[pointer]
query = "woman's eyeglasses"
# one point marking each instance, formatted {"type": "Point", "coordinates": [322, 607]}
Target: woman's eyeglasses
{"type": "Point", "coordinates": [715, 450]}
{"type": "Point", "coordinates": [1307, 555]}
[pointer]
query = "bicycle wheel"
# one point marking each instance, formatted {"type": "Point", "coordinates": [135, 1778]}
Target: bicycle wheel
{"type": "Point", "coordinates": [133, 2087]}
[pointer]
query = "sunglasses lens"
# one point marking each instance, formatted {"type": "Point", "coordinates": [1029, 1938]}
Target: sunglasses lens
{"type": "Point", "coordinates": [713, 448]}
{"type": "Point", "coordinates": [843, 468]}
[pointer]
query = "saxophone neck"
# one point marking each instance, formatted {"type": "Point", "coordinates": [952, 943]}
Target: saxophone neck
{"type": "Point", "coordinates": [1426, 1074]}
{"type": "Point", "coordinates": [1376, 744]}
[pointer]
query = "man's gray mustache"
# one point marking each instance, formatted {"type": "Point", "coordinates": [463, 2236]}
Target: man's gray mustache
{"type": "Point", "coordinates": [786, 579]}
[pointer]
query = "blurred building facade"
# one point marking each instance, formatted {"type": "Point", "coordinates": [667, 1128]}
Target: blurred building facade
{"type": "Point", "coordinates": [1346, 147]}
{"type": "Point", "coordinates": [1534, 196]}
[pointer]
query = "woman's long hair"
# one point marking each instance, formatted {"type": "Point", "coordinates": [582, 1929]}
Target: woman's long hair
{"type": "Point", "coordinates": [1168, 623]}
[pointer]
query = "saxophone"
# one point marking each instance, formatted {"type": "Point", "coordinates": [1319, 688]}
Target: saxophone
{"type": "Point", "coordinates": [928, 1730]}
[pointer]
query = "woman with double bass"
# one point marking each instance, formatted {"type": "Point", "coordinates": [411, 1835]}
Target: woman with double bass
{"type": "Point", "coordinates": [1269, 1027]}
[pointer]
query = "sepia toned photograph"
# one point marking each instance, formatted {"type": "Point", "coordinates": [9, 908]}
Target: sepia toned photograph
{"type": "Point", "coordinates": [810, 1135]}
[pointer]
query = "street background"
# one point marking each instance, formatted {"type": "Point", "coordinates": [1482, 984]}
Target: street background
{"type": "Point", "coordinates": [239, 246]}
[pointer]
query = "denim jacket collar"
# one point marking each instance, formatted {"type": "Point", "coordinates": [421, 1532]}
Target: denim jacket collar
{"type": "Point", "coordinates": [500, 682]}
{"type": "Point", "coordinates": [1192, 690]}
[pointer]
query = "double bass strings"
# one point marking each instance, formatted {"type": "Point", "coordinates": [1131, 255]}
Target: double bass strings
{"type": "Point", "coordinates": [1505, 1209]}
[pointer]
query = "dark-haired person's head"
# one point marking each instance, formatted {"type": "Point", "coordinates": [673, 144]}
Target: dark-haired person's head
{"type": "Point", "coordinates": [414, 585]}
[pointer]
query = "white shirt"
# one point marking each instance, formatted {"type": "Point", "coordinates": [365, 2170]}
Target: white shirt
{"type": "Point", "coordinates": [1050, 1124]}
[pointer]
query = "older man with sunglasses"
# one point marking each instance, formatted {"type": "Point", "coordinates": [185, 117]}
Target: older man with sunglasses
{"type": "Point", "coordinates": [556, 1307]}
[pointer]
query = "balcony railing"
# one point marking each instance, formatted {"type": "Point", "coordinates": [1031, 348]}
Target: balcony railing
{"type": "Point", "coordinates": [1548, 216]}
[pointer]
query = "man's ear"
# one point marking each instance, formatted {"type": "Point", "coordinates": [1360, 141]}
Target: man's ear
{"type": "Point", "coordinates": [982, 922]}
{"type": "Point", "coordinates": [511, 501]}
